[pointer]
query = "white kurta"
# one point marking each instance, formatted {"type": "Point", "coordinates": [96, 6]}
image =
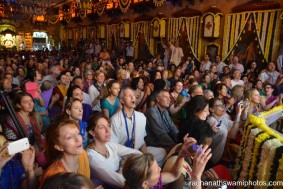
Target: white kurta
{"type": "Point", "coordinates": [177, 54]}
{"type": "Point", "coordinates": [106, 169]}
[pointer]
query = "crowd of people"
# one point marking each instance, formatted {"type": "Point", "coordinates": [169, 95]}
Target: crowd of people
{"type": "Point", "coordinates": [106, 121]}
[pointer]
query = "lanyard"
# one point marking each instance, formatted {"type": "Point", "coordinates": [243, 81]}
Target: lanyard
{"type": "Point", "coordinates": [127, 129]}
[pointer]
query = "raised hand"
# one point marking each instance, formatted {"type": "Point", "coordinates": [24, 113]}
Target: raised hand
{"type": "Point", "coordinates": [188, 143]}
{"type": "Point", "coordinates": [199, 162]}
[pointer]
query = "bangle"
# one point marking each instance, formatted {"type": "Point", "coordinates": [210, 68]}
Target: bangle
{"type": "Point", "coordinates": [238, 116]}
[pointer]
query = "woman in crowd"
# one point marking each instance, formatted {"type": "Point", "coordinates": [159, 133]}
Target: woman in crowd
{"type": "Point", "coordinates": [23, 104]}
{"type": "Point", "coordinates": [7, 88]}
{"type": "Point", "coordinates": [76, 72]}
{"type": "Point", "coordinates": [165, 78]}
{"type": "Point", "coordinates": [75, 92]}
{"type": "Point", "coordinates": [69, 77]}
{"type": "Point", "coordinates": [247, 84]}
{"type": "Point", "coordinates": [223, 127]}
{"type": "Point", "coordinates": [57, 100]}
{"type": "Point", "coordinates": [110, 103]}
{"type": "Point", "coordinates": [138, 85]}
{"type": "Point", "coordinates": [64, 150]}
{"type": "Point", "coordinates": [20, 74]}
{"type": "Point", "coordinates": [95, 91]}
{"type": "Point", "coordinates": [220, 92]}
{"type": "Point", "coordinates": [177, 101]}
{"type": "Point", "coordinates": [197, 111]}
{"type": "Point", "coordinates": [39, 104]}
{"type": "Point", "coordinates": [269, 101]}
{"type": "Point", "coordinates": [253, 97]}
{"type": "Point", "coordinates": [206, 82]}
{"type": "Point", "coordinates": [253, 72]}
{"type": "Point", "coordinates": [148, 90]}
{"type": "Point", "coordinates": [88, 80]}
{"type": "Point", "coordinates": [74, 111]}
{"type": "Point", "coordinates": [258, 85]}
{"type": "Point", "coordinates": [213, 72]}
{"type": "Point", "coordinates": [122, 78]}
{"type": "Point", "coordinates": [104, 156]}
{"type": "Point", "coordinates": [142, 171]}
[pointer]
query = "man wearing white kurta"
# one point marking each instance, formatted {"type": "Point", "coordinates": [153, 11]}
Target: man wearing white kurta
{"type": "Point", "coordinates": [135, 120]}
{"type": "Point", "coordinates": [177, 53]}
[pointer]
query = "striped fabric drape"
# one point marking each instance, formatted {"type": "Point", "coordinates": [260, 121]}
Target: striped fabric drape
{"type": "Point", "coordinates": [112, 30]}
{"type": "Point", "coordinates": [174, 26]}
{"type": "Point", "coordinates": [267, 29]}
{"type": "Point", "coordinates": [233, 28]}
{"type": "Point", "coordinates": [192, 27]}
{"type": "Point", "coordinates": [146, 29]}
{"type": "Point", "coordinates": [267, 25]}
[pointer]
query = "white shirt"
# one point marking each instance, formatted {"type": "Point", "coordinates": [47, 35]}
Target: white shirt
{"type": "Point", "coordinates": [238, 66]}
{"type": "Point", "coordinates": [86, 99]}
{"type": "Point", "coordinates": [93, 94]}
{"type": "Point", "coordinates": [220, 66]}
{"type": "Point", "coordinates": [240, 82]}
{"type": "Point", "coordinates": [118, 128]}
{"type": "Point", "coordinates": [177, 54]}
{"type": "Point", "coordinates": [205, 66]}
{"type": "Point", "coordinates": [106, 169]}
{"type": "Point", "coordinates": [271, 76]}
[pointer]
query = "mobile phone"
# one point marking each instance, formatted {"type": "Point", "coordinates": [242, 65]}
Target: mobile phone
{"type": "Point", "coordinates": [194, 149]}
{"type": "Point", "coordinates": [18, 146]}
{"type": "Point", "coordinates": [23, 57]}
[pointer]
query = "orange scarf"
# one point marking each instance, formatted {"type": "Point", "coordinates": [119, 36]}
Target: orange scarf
{"type": "Point", "coordinates": [63, 89]}
{"type": "Point", "coordinates": [58, 167]}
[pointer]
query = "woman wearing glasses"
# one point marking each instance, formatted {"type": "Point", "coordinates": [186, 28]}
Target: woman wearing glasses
{"type": "Point", "coordinates": [223, 127]}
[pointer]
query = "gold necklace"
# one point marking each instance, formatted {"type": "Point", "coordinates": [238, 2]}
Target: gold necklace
{"type": "Point", "coordinates": [106, 154]}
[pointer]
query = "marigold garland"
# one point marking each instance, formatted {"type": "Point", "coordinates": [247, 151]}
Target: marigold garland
{"type": "Point", "coordinates": [261, 155]}
{"type": "Point", "coordinates": [267, 154]}
{"type": "Point", "coordinates": [275, 166]}
{"type": "Point", "coordinates": [244, 143]}
{"type": "Point", "coordinates": [280, 169]}
{"type": "Point", "coordinates": [255, 155]}
{"type": "Point", "coordinates": [247, 155]}
{"type": "Point", "coordinates": [271, 156]}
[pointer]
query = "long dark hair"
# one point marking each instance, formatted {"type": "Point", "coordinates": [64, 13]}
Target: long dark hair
{"type": "Point", "coordinates": [192, 124]}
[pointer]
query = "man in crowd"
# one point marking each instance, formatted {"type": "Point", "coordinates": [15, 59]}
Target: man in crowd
{"type": "Point", "coordinates": [128, 124]}
{"type": "Point", "coordinates": [161, 131]}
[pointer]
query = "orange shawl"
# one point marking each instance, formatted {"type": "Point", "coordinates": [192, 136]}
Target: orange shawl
{"type": "Point", "coordinates": [58, 167]}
